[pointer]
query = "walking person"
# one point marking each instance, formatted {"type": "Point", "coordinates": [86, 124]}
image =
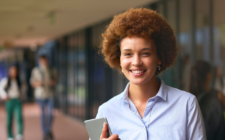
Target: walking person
{"type": "Point", "coordinates": [210, 100]}
{"type": "Point", "coordinates": [219, 83]}
{"type": "Point", "coordinates": [43, 79]}
{"type": "Point", "coordinates": [10, 91]}
{"type": "Point", "coordinates": [141, 44]}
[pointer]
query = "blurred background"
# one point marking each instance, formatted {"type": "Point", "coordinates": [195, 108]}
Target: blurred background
{"type": "Point", "coordinates": [69, 32]}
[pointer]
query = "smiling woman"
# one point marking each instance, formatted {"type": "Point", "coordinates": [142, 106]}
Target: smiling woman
{"type": "Point", "coordinates": [141, 44]}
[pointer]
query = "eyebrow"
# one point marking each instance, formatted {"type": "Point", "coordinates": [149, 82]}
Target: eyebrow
{"type": "Point", "coordinates": [141, 49]}
{"type": "Point", "coordinates": [146, 49]}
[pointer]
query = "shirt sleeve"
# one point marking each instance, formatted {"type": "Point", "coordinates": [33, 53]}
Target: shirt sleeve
{"type": "Point", "coordinates": [33, 75]}
{"type": "Point", "coordinates": [195, 124]}
{"type": "Point", "coordinates": [3, 83]}
{"type": "Point", "coordinates": [100, 113]}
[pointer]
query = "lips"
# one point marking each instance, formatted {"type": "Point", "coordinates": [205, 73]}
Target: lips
{"type": "Point", "coordinates": [137, 72]}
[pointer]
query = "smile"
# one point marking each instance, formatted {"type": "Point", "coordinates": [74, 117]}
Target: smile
{"type": "Point", "coordinates": [137, 72]}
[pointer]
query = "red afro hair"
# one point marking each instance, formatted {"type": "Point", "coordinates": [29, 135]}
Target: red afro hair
{"type": "Point", "coordinates": [143, 23]}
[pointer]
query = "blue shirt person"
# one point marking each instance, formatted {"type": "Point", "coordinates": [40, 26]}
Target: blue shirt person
{"type": "Point", "coordinates": [141, 44]}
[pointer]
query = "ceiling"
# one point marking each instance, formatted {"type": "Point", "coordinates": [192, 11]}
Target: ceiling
{"type": "Point", "coordinates": [33, 22]}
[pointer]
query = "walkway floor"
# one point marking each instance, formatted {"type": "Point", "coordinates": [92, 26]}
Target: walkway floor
{"type": "Point", "coordinates": [64, 127]}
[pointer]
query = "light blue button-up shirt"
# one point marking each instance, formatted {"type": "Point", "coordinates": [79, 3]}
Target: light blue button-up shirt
{"type": "Point", "coordinates": [170, 115]}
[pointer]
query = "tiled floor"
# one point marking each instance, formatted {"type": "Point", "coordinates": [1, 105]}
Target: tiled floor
{"type": "Point", "coordinates": [64, 127]}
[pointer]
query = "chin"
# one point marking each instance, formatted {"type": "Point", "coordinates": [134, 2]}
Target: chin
{"type": "Point", "coordinates": [138, 82]}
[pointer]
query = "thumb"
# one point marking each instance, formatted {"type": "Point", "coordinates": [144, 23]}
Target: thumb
{"type": "Point", "coordinates": [104, 131]}
{"type": "Point", "coordinates": [114, 137]}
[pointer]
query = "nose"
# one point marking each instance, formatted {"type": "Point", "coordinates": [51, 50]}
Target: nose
{"type": "Point", "coordinates": [136, 60]}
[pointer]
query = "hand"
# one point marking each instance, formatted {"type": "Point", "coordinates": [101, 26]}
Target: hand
{"type": "Point", "coordinates": [7, 98]}
{"type": "Point", "coordinates": [104, 134]}
{"type": "Point", "coordinates": [37, 84]}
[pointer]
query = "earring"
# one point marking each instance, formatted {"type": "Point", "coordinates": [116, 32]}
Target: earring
{"type": "Point", "coordinates": [159, 68]}
{"type": "Point", "coordinates": [121, 70]}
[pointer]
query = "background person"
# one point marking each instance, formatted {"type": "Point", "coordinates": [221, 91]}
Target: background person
{"type": "Point", "coordinates": [10, 91]}
{"type": "Point", "coordinates": [219, 83]}
{"type": "Point", "coordinates": [141, 44]}
{"type": "Point", "coordinates": [43, 79]}
{"type": "Point", "coordinates": [209, 100]}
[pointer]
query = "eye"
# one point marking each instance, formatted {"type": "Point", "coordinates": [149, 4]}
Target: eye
{"type": "Point", "coordinates": [145, 54]}
{"type": "Point", "coordinates": [127, 54]}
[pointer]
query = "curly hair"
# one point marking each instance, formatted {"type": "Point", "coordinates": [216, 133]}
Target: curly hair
{"type": "Point", "coordinates": [143, 23]}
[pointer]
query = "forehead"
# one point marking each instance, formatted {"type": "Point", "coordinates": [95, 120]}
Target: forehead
{"type": "Point", "coordinates": [42, 58]}
{"type": "Point", "coordinates": [13, 68]}
{"type": "Point", "coordinates": [137, 43]}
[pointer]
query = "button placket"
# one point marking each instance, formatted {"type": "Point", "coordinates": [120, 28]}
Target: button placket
{"type": "Point", "coordinates": [149, 107]}
{"type": "Point", "coordinates": [145, 133]}
{"type": "Point", "coordinates": [150, 113]}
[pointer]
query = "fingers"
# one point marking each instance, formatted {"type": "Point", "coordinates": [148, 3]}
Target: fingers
{"type": "Point", "coordinates": [104, 132]}
{"type": "Point", "coordinates": [114, 137]}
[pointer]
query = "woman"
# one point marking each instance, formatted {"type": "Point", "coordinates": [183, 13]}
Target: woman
{"type": "Point", "coordinates": [10, 92]}
{"type": "Point", "coordinates": [141, 44]}
{"type": "Point", "coordinates": [209, 100]}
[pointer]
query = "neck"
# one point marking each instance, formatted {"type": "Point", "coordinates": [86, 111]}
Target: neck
{"type": "Point", "coordinates": [43, 66]}
{"type": "Point", "coordinates": [141, 93]}
{"type": "Point", "coordinates": [12, 78]}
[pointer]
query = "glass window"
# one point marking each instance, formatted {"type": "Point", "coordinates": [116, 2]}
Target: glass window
{"type": "Point", "coordinates": [70, 75]}
{"type": "Point", "coordinates": [202, 33]}
{"type": "Point", "coordinates": [81, 74]}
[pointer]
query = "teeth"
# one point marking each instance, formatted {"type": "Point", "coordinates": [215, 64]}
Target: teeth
{"type": "Point", "coordinates": [137, 71]}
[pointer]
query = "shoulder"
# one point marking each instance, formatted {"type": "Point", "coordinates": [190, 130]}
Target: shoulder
{"type": "Point", "coordinates": [115, 101]}
{"type": "Point", "coordinates": [35, 69]}
{"type": "Point", "coordinates": [184, 101]}
{"type": "Point", "coordinates": [182, 96]}
{"type": "Point", "coordinates": [209, 100]}
{"type": "Point", "coordinates": [179, 93]}
{"type": "Point", "coordinates": [4, 81]}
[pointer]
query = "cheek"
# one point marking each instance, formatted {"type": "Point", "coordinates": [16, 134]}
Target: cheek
{"type": "Point", "coordinates": [150, 62]}
{"type": "Point", "coordinates": [124, 63]}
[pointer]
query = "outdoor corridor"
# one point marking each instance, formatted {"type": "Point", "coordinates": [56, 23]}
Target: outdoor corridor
{"type": "Point", "coordinates": [64, 127]}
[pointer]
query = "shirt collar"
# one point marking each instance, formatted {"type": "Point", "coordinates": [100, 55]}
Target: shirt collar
{"type": "Point", "coordinates": [162, 93]}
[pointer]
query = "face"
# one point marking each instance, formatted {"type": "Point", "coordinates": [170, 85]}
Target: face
{"type": "Point", "coordinates": [43, 61]}
{"type": "Point", "coordinates": [138, 59]}
{"type": "Point", "coordinates": [13, 72]}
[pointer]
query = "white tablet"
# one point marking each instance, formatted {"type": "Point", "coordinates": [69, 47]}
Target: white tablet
{"type": "Point", "coordinates": [95, 126]}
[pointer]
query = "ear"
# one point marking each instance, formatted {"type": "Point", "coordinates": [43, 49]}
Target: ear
{"type": "Point", "coordinates": [159, 61]}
